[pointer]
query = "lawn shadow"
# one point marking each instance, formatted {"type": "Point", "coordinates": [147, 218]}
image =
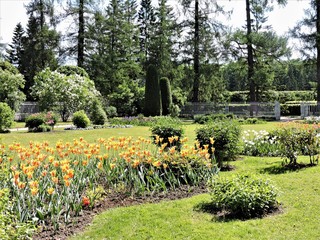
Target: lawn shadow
{"type": "Point", "coordinates": [280, 169]}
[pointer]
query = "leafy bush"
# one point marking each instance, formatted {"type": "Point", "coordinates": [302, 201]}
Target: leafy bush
{"type": "Point", "coordinates": [140, 120]}
{"type": "Point", "coordinates": [168, 135]}
{"type": "Point", "coordinates": [34, 121]}
{"type": "Point", "coordinates": [41, 122]}
{"type": "Point", "coordinates": [111, 111]}
{"type": "Point", "coordinates": [203, 119]}
{"type": "Point", "coordinates": [97, 114]}
{"type": "Point", "coordinates": [222, 138]}
{"type": "Point", "coordinates": [10, 226]}
{"type": "Point", "coordinates": [243, 196]}
{"type": "Point", "coordinates": [6, 117]}
{"type": "Point", "coordinates": [296, 139]}
{"type": "Point", "coordinates": [80, 119]}
{"type": "Point", "coordinates": [290, 109]}
{"type": "Point", "coordinates": [174, 110]}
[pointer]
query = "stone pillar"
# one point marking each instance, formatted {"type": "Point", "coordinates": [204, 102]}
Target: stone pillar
{"type": "Point", "coordinates": [277, 111]}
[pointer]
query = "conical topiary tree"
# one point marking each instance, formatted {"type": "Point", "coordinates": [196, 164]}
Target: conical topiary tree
{"type": "Point", "coordinates": [166, 97]}
{"type": "Point", "coordinates": [152, 93]}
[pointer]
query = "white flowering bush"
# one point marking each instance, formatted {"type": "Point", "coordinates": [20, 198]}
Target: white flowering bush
{"type": "Point", "coordinates": [63, 93]}
{"type": "Point", "coordinates": [260, 143]}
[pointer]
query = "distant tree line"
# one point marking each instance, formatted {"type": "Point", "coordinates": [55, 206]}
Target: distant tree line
{"type": "Point", "coordinates": [202, 58]}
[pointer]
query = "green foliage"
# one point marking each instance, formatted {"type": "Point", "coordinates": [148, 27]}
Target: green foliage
{"type": "Point", "coordinates": [62, 93]}
{"type": "Point", "coordinates": [152, 105]}
{"type": "Point", "coordinates": [97, 114]}
{"type": "Point", "coordinates": [6, 117]}
{"type": "Point", "coordinates": [222, 139]}
{"type": "Point", "coordinates": [111, 111]}
{"type": "Point", "coordinates": [166, 96]}
{"type": "Point", "coordinates": [41, 122]}
{"type": "Point", "coordinates": [243, 196]}
{"type": "Point", "coordinates": [34, 121]}
{"type": "Point", "coordinates": [296, 139]}
{"type": "Point", "coordinates": [10, 226]}
{"type": "Point", "coordinates": [11, 83]}
{"type": "Point", "coordinates": [203, 119]}
{"type": "Point", "coordinates": [69, 70]}
{"type": "Point", "coordinates": [140, 120]}
{"type": "Point", "coordinates": [174, 110]}
{"type": "Point", "coordinates": [80, 119]}
{"type": "Point", "coordinates": [167, 135]}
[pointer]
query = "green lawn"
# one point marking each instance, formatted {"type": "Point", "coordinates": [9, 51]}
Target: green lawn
{"type": "Point", "coordinates": [178, 219]}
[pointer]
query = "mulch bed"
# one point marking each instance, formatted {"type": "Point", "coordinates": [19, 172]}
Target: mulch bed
{"type": "Point", "coordinates": [112, 201]}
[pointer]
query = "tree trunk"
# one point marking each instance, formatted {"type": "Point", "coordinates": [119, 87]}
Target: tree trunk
{"type": "Point", "coordinates": [81, 34]}
{"type": "Point", "coordinates": [196, 63]}
{"type": "Point", "coordinates": [318, 52]}
{"type": "Point", "coordinates": [250, 58]}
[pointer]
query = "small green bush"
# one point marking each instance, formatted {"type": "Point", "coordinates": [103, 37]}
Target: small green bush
{"type": "Point", "coordinates": [168, 134]}
{"type": "Point", "coordinates": [80, 119]}
{"type": "Point", "coordinates": [166, 96]}
{"type": "Point", "coordinates": [6, 117]}
{"type": "Point", "coordinates": [111, 112]}
{"type": "Point", "coordinates": [174, 110]}
{"type": "Point", "coordinates": [243, 196]}
{"type": "Point", "coordinates": [203, 119]}
{"type": "Point", "coordinates": [226, 136]}
{"type": "Point", "coordinates": [34, 121]}
{"type": "Point", "coordinates": [97, 114]}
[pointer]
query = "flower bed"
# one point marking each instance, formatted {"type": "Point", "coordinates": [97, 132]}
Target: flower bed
{"type": "Point", "coordinates": [49, 184]}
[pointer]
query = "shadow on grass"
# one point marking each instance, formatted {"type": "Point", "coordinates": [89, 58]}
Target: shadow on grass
{"type": "Point", "coordinates": [221, 215]}
{"type": "Point", "coordinates": [286, 168]}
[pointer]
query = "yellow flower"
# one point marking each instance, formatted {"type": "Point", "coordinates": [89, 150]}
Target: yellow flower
{"type": "Point", "coordinates": [50, 191]}
{"type": "Point", "coordinates": [156, 164]}
{"type": "Point", "coordinates": [99, 165]}
{"type": "Point", "coordinates": [34, 191]}
{"type": "Point", "coordinates": [211, 141]}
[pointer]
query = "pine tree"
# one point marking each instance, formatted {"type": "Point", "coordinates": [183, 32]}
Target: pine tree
{"type": "Point", "coordinates": [16, 48]}
{"type": "Point", "coordinates": [146, 19]}
{"type": "Point", "coordinates": [40, 46]}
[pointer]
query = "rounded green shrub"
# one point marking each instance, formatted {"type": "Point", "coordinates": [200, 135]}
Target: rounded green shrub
{"type": "Point", "coordinates": [97, 114]}
{"type": "Point", "coordinates": [80, 119]}
{"type": "Point", "coordinates": [169, 134]}
{"type": "Point", "coordinates": [243, 196]}
{"type": "Point", "coordinates": [6, 117]}
{"type": "Point", "coordinates": [111, 112]}
{"type": "Point", "coordinates": [223, 137]}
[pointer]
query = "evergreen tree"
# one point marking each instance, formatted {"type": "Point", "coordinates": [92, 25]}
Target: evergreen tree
{"type": "Point", "coordinates": [146, 19]}
{"type": "Point", "coordinates": [152, 105]}
{"type": "Point", "coordinates": [166, 96]}
{"type": "Point", "coordinates": [16, 48]}
{"type": "Point", "coordinates": [311, 39]}
{"type": "Point", "coordinates": [40, 47]}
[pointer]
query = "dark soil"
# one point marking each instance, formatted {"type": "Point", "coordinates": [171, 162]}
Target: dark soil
{"type": "Point", "coordinates": [112, 201]}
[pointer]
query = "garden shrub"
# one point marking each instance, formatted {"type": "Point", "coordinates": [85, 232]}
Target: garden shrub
{"type": "Point", "coordinates": [243, 196]}
{"type": "Point", "coordinates": [222, 138]}
{"type": "Point", "coordinates": [174, 110]}
{"type": "Point", "coordinates": [152, 93]}
{"type": "Point", "coordinates": [6, 117]}
{"type": "Point", "coordinates": [80, 119]}
{"type": "Point", "coordinates": [10, 226]}
{"type": "Point", "coordinates": [111, 112]}
{"type": "Point", "coordinates": [168, 135]}
{"type": "Point", "coordinates": [166, 96]}
{"type": "Point", "coordinates": [298, 139]}
{"type": "Point", "coordinates": [34, 121]}
{"type": "Point", "coordinates": [41, 122]}
{"type": "Point", "coordinates": [97, 114]}
{"type": "Point", "coordinates": [203, 119]}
